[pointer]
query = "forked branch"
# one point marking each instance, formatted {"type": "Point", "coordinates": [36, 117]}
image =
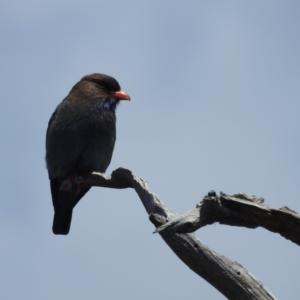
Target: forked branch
{"type": "Point", "coordinates": [229, 277]}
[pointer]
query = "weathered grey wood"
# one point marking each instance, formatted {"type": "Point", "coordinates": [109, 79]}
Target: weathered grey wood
{"type": "Point", "coordinates": [238, 210]}
{"type": "Point", "coordinates": [229, 277]}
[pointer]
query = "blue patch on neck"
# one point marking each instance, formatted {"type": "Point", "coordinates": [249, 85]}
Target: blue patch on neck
{"type": "Point", "coordinates": [107, 105]}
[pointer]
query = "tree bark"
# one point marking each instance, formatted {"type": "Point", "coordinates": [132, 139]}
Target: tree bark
{"type": "Point", "coordinates": [229, 277]}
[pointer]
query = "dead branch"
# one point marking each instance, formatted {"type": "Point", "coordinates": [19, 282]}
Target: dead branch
{"type": "Point", "coordinates": [238, 210]}
{"type": "Point", "coordinates": [229, 277]}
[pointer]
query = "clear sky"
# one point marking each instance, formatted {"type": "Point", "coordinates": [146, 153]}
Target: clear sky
{"type": "Point", "coordinates": [215, 105]}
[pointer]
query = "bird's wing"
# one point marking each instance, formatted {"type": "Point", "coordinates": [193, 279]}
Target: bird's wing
{"type": "Point", "coordinates": [64, 143]}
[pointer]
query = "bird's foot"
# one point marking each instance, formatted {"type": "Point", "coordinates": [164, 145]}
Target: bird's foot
{"type": "Point", "coordinates": [71, 184]}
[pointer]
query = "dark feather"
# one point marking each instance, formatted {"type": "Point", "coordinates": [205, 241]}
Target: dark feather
{"type": "Point", "coordinates": [80, 139]}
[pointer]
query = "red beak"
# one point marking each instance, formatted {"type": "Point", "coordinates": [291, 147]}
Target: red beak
{"type": "Point", "coordinates": [121, 95]}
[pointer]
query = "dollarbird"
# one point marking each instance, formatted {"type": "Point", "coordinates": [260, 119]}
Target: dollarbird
{"type": "Point", "coordinates": [80, 139]}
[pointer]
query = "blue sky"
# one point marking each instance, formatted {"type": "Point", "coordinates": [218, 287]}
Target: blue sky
{"type": "Point", "coordinates": [215, 105]}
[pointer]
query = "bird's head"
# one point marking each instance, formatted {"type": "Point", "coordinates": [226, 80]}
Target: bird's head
{"type": "Point", "coordinates": [108, 85]}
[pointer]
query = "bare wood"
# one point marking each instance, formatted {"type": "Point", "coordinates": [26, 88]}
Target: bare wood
{"type": "Point", "coordinates": [238, 210]}
{"type": "Point", "coordinates": [229, 277]}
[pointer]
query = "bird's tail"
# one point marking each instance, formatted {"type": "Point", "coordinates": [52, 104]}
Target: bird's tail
{"type": "Point", "coordinates": [63, 202]}
{"type": "Point", "coordinates": [62, 220]}
{"type": "Point", "coordinates": [63, 208]}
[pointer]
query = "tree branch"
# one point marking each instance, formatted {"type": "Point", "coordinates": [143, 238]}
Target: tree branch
{"type": "Point", "coordinates": [238, 210]}
{"type": "Point", "coordinates": [229, 277]}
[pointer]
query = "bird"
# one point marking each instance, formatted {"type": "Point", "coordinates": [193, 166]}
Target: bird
{"type": "Point", "coordinates": [80, 139]}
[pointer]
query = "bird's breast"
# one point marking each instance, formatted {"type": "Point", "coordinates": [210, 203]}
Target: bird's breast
{"type": "Point", "coordinates": [99, 140]}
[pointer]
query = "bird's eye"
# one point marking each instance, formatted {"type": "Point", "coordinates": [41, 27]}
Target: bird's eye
{"type": "Point", "coordinates": [100, 84]}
